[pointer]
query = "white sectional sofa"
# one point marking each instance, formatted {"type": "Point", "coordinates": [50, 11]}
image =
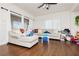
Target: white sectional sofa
{"type": "Point", "coordinates": [53, 34]}
{"type": "Point", "coordinates": [22, 40]}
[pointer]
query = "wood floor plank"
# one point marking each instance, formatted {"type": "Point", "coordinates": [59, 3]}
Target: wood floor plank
{"type": "Point", "coordinates": [54, 48]}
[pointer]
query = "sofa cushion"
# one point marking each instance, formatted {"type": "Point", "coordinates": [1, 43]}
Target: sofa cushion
{"type": "Point", "coordinates": [28, 38]}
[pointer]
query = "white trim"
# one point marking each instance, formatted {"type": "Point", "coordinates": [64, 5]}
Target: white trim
{"type": "Point", "coordinates": [3, 43]}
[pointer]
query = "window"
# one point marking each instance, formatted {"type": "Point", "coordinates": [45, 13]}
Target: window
{"type": "Point", "coordinates": [26, 23]}
{"type": "Point", "coordinates": [48, 24]}
{"type": "Point", "coordinates": [52, 24]}
{"type": "Point", "coordinates": [15, 21]}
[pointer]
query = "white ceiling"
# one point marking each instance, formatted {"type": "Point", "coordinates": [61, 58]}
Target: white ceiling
{"type": "Point", "coordinates": [32, 8]}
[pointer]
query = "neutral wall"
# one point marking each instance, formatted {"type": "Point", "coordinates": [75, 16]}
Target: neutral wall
{"type": "Point", "coordinates": [5, 25]}
{"type": "Point", "coordinates": [67, 20]}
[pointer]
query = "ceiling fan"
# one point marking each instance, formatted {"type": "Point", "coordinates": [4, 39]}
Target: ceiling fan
{"type": "Point", "coordinates": [46, 5]}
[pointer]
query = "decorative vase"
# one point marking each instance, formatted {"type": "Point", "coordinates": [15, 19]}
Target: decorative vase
{"type": "Point", "coordinates": [21, 30]}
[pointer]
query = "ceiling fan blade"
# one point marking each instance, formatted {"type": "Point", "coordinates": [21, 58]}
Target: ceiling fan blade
{"type": "Point", "coordinates": [52, 3]}
{"type": "Point", "coordinates": [41, 5]}
{"type": "Point", "coordinates": [46, 5]}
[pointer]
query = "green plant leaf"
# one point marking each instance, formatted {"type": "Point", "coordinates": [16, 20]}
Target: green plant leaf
{"type": "Point", "coordinates": [77, 20]}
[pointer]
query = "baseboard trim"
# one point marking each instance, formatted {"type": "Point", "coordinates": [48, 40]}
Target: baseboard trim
{"type": "Point", "coordinates": [3, 43]}
{"type": "Point", "coordinates": [55, 39]}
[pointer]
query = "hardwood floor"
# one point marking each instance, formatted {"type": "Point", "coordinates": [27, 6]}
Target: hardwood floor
{"type": "Point", "coordinates": [54, 48]}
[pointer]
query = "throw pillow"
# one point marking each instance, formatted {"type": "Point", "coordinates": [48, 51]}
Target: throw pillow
{"type": "Point", "coordinates": [30, 34]}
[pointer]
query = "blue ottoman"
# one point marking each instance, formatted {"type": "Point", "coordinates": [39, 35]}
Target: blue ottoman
{"type": "Point", "coordinates": [45, 37]}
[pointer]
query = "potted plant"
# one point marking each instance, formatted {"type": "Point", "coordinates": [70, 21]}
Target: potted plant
{"type": "Point", "coordinates": [77, 20]}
